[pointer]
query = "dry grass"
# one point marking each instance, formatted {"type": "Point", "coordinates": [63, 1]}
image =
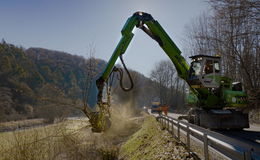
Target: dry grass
{"type": "Point", "coordinates": [37, 143]}
{"type": "Point", "coordinates": [61, 141]}
{"type": "Point", "coordinates": [68, 140]}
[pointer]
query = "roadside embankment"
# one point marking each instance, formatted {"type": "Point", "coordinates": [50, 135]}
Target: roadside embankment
{"type": "Point", "coordinates": [151, 142]}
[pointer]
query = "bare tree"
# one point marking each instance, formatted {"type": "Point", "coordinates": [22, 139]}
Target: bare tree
{"type": "Point", "coordinates": [240, 34]}
{"type": "Point", "coordinates": [232, 31]}
{"type": "Point", "coordinates": [169, 86]}
{"type": "Point", "coordinates": [91, 71]}
{"type": "Point", "coordinates": [163, 74]}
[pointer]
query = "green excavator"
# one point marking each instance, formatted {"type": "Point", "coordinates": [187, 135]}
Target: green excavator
{"type": "Point", "coordinates": [217, 102]}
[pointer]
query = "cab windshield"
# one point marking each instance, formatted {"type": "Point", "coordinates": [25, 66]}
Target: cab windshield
{"type": "Point", "coordinates": [195, 68]}
{"type": "Point", "coordinates": [208, 68]}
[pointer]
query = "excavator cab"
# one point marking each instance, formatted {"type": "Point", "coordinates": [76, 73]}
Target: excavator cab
{"type": "Point", "coordinates": [204, 71]}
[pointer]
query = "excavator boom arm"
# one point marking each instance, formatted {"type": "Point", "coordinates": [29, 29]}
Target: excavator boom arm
{"type": "Point", "coordinates": [156, 32]}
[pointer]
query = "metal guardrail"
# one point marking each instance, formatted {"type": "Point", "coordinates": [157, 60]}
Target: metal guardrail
{"type": "Point", "coordinates": [226, 146]}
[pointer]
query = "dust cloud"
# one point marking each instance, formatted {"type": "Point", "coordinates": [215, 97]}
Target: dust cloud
{"type": "Point", "coordinates": [125, 120]}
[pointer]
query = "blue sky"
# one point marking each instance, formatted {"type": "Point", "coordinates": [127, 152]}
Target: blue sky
{"type": "Point", "coordinates": [75, 26]}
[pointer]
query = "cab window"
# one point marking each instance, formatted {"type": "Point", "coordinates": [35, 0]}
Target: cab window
{"type": "Point", "coordinates": [208, 68]}
{"type": "Point", "coordinates": [195, 68]}
{"type": "Point", "coordinates": [216, 67]}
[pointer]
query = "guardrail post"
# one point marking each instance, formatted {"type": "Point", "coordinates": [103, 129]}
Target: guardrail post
{"type": "Point", "coordinates": [205, 149]}
{"type": "Point", "coordinates": [188, 138]}
{"type": "Point", "coordinates": [169, 124]}
{"type": "Point", "coordinates": [179, 138]}
{"type": "Point", "coordinates": [247, 155]}
{"type": "Point", "coordinates": [166, 123]}
{"type": "Point", "coordinates": [172, 128]}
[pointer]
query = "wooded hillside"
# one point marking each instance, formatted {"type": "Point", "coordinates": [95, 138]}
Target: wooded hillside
{"type": "Point", "coordinates": [36, 77]}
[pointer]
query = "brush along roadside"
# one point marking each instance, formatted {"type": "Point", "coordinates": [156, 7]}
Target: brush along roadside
{"type": "Point", "coordinates": [68, 140]}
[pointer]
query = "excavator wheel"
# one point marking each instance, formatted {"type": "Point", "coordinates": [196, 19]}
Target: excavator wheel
{"type": "Point", "coordinates": [193, 116]}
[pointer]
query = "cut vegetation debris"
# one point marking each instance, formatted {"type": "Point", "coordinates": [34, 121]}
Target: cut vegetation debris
{"type": "Point", "coordinates": [152, 143]}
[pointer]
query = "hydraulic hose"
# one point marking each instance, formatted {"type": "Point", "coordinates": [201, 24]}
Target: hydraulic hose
{"type": "Point", "coordinates": [128, 74]}
{"type": "Point", "coordinates": [121, 75]}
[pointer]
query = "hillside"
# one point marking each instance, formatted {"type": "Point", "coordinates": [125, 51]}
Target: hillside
{"type": "Point", "coordinates": [31, 78]}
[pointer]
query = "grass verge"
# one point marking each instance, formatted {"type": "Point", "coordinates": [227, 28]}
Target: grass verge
{"type": "Point", "coordinates": [152, 143]}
